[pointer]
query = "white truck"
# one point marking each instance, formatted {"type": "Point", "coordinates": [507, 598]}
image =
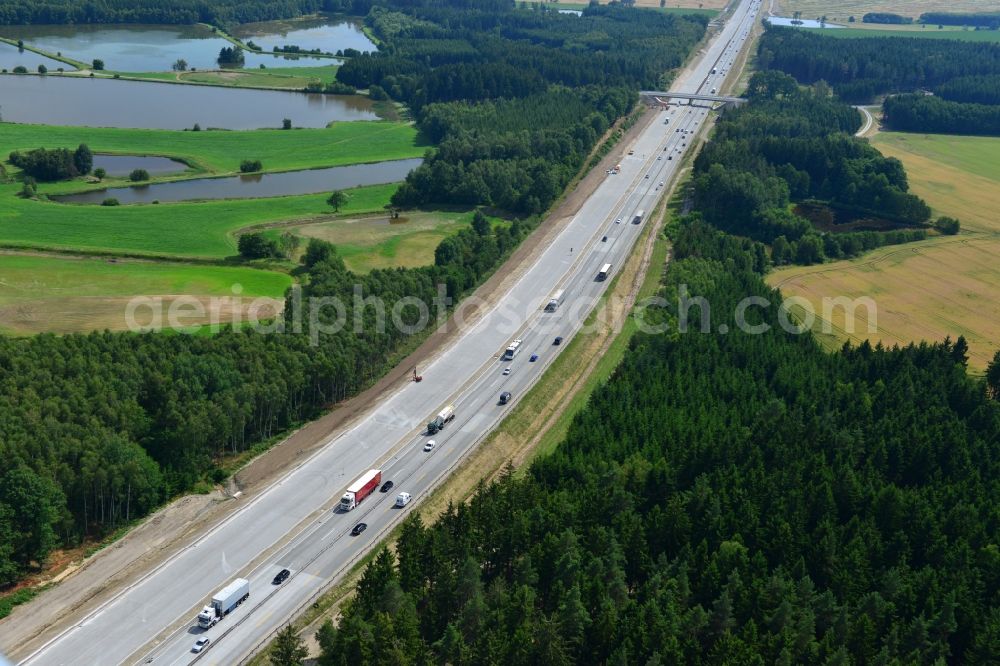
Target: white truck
{"type": "Point", "coordinates": [444, 416]}
{"type": "Point", "coordinates": [224, 601]}
{"type": "Point", "coordinates": [555, 301]}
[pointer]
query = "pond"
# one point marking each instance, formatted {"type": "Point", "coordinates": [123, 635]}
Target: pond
{"type": "Point", "coordinates": [802, 23]}
{"type": "Point", "coordinates": [142, 48]}
{"type": "Point", "coordinates": [328, 34]}
{"type": "Point", "coordinates": [97, 102]}
{"type": "Point", "coordinates": [118, 166]}
{"type": "Point", "coordinates": [11, 57]}
{"type": "Point", "coordinates": [252, 186]}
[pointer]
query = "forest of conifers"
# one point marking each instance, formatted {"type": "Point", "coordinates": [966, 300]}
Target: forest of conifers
{"type": "Point", "coordinates": [563, 80]}
{"type": "Point", "coordinates": [723, 499]}
{"type": "Point", "coordinates": [966, 74]}
{"type": "Point", "coordinates": [96, 430]}
{"type": "Point", "coordinates": [795, 145]}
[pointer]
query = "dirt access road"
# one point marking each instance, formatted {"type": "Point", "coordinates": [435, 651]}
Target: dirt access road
{"type": "Point", "coordinates": [85, 585]}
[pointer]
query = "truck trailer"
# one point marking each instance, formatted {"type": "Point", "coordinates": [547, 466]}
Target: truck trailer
{"type": "Point", "coordinates": [638, 217]}
{"type": "Point", "coordinates": [439, 421]}
{"type": "Point", "coordinates": [555, 301]}
{"type": "Point", "coordinates": [223, 602]}
{"type": "Point", "coordinates": [360, 489]}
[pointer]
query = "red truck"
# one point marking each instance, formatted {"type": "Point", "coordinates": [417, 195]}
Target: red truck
{"type": "Point", "coordinates": [361, 489]}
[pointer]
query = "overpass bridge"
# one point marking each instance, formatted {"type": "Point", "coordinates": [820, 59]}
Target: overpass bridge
{"type": "Point", "coordinates": [665, 97]}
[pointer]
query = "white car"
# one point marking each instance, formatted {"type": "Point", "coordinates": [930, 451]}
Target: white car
{"type": "Point", "coordinates": [200, 644]}
{"type": "Point", "coordinates": [402, 499]}
{"type": "Point", "coordinates": [506, 371]}
{"type": "Point", "coordinates": [429, 446]}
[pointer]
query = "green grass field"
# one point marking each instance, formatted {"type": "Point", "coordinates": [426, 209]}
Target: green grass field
{"type": "Point", "coordinates": [377, 242]}
{"type": "Point", "coordinates": [69, 294]}
{"type": "Point", "coordinates": [197, 229]}
{"type": "Point", "coordinates": [930, 32]}
{"type": "Point", "coordinates": [291, 78]}
{"type": "Point", "coordinates": [221, 151]}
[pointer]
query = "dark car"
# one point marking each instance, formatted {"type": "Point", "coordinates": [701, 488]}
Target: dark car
{"type": "Point", "coordinates": [558, 340]}
{"type": "Point", "coordinates": [359, 528]}
{"type": "Point", "coordinates": [386, 487]}
{"type": "Point", "coordinates": [505, 397]}
{"type": "Point", "coordinates": [534, 357]}
{"type": "Point", "coordinates": [281, 577]}
{"type": "Point", "coordinates": [604, 240]}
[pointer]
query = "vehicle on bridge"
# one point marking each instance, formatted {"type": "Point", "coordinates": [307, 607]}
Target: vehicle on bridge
{"type": "Point", "coordinates": [223, 602]}
{"type": "Point", "coordinates": [360, 489]}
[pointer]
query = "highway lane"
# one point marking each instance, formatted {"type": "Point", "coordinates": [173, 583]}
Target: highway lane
{"type": "Point", "coordinates": [154, 617]}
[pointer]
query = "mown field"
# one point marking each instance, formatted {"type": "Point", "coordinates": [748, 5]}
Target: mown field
{"type": "Point", "coordinates": [222, 151]}
{"type": "Point", "coordinates": [68, 294]}
{"type": "Point", "coordinates": [943, 286]}
{"type": "Point", "coordinates": [372, 242]}
{"type": "Point", "coordinates": [858, 8]}
{"type": "Point", "coordinates": [197, 229]}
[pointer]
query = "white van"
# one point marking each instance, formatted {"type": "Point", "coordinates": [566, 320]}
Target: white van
{"type": "Point", "coordinates": [402, 499]}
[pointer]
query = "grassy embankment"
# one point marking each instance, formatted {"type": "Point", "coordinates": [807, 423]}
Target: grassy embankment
{"type": "Point", "coordinates": [287, 78]}
{"type": "Point", "coordinates": [944, 286]}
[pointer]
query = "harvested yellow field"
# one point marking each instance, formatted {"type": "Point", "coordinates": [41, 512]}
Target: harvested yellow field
{"type": "Point", "coordinates": [942, 287]}
{"type": "Point", "coordinates": [858, 8]}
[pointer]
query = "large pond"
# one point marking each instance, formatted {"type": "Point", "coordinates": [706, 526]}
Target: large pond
{"type": "Point", "coordinates": [324, 33]}
{"type": "Point", "coordinates": [801, 23]}
{"type": "Point", "coordinates": [253, 186]}
{"type": "Point", "coordinates": [117, 166]}
{"type": "Point", "coordinates": [11, 57]}
{"type": "Point", "coordinates": [143, 48]}
{"type": "Point", "coordinates": [96, 102]}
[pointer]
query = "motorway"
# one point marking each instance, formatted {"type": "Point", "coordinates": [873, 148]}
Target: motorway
{"type": "Point", "coordinates": [153, 621]}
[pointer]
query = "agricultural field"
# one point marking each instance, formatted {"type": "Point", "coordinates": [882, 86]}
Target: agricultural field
{"type": "Point", "coordinates": [64, 294]}
{"type": "Point", "coordinates": [944, 286]}
{"type": "Point", "coordinates": [221, 151]}
{"type": "Point", "coordinates": [839, 11]}
{"type": "Point", "coordinates": [372, 242]}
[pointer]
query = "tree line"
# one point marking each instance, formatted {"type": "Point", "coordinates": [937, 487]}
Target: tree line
{"type": "Point", "coordinates": [796, 145]}
{"type": "Point", "coordinates": [96, 430]}
{"type": "Point", "coordinates": [802, 508]}
{"type": "Point", "coordinates": [517, 98]}
{"type": "Point", "coordinates": [926, 113]}
{"type": "Point", "coordinates": [979, 19]}
{"type": "Point", "coordinates": [215, 12]}
{"type": "Point", "coordinates": [974, 89]}
{"type": "Point", "coordinates": [886, 17]}
{"type": "Point", "coordinates": [859, 69]}
{"type": "Point", "coordinates": [52, 164]}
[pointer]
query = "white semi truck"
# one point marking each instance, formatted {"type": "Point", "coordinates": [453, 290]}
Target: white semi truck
{"type": "Point", "coordinates": [224, 601]}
